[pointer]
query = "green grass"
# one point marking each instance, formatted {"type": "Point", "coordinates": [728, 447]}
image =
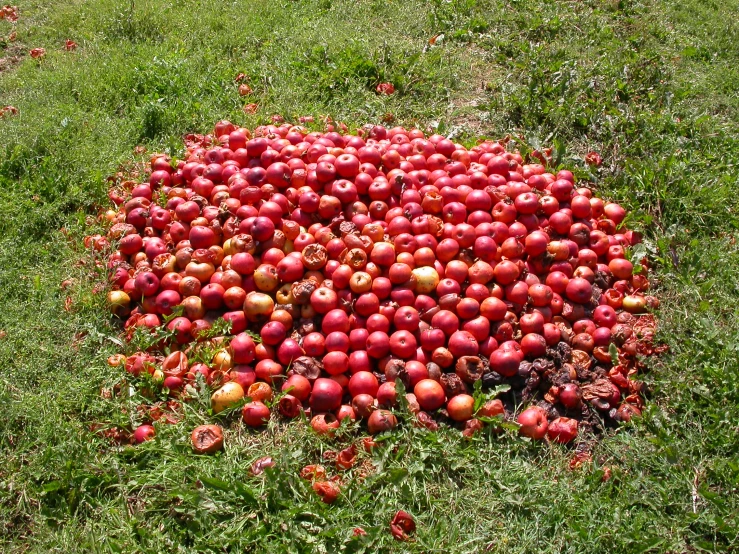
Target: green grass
{"type": "Point", "coordinates": [651, 85]}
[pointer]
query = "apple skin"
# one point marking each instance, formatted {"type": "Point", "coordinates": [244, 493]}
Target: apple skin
{"type": "Point", "coordinates": [255, 414]}
{"type": "Point", "coordinates": [144, 433]}
{"type": "Point", "coordinates": [403, 344]}
{"type": "Point", "coordinates": [147, 283]}
{"type": "Point", "coordinates": [533, 423]}
{"type": "Point", "coordinates": [378, 345]}
{"type": "Point", "coordinates": [562, 430]}
{"type": "Point", "coordinates": [430, 394]}
{"type": "Point", "coordinates": [324, 300]}
{"type": "Point", "coordinates": [492, 408]}
{"type": "Point", "coordinates": [461, 407]}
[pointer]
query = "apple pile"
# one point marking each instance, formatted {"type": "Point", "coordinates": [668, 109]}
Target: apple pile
{"type": "Point", "coordinates": [314, 272]}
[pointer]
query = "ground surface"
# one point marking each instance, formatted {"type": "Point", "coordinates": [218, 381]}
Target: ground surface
{"type": "Point", "coordinates": [653, 86]}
